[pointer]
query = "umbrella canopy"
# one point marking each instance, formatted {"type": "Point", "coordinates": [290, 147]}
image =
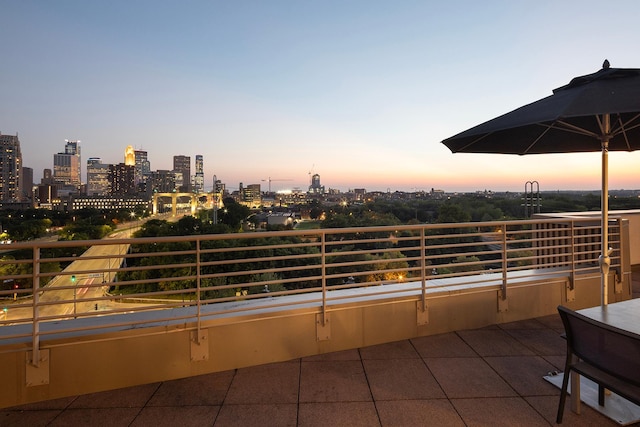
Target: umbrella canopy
{"type": "Point", "coordinates": [595, 112]}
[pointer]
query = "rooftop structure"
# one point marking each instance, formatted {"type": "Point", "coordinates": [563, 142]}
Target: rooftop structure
{"type": "Point", "coordinates": [129, 156]}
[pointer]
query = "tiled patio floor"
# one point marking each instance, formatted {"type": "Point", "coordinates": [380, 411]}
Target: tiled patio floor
{"type": "Point", "coordinates": [486, 377]}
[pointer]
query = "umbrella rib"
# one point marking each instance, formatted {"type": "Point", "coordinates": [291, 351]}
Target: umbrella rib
{"type": "Point", "coordinates": [601, 125]}
{"type": "Point", "coordinates": [628, 128]}
{"type": "Point", "coordinates": [631, 120]}
{"type": "Point", "coordinates": [548, 128]}
{"type": "Point", "coordinates": [573, 128]}
{"type": "Point", "coordinates": [464, 148]}
{"type": "Point", "coordinates": [623, 128]}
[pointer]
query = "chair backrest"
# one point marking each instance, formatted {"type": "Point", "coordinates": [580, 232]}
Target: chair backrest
{"type": "Point", "coordinates": [611, 349]}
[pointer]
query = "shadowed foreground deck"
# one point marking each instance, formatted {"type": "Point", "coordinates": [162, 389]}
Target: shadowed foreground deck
{"type": "Point", "coordinates": [490, 376]}
{"type": "Point", "coordinates": [485, 377]}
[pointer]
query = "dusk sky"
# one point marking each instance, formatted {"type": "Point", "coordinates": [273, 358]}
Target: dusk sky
{"type": "Point", "coordinates": [360, 92]}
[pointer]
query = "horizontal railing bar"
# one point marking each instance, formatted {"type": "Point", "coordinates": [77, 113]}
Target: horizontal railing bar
{"type": "Point", "coordinates": [276, 261]}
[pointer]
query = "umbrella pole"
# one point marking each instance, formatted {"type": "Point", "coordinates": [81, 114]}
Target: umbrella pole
{"type": "Point", "coordinates": [604, 259]}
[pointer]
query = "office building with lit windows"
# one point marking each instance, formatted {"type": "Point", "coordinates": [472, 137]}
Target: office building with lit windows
{"type": "Point", "coordinates": [198, 180]}
{"type": "Point", "coordinates": [142, 166]}
{"type": "Point", "coordinates": [121, 180]}
{"type": "Point", "coordinates": [66, 166]}
{"type": "Point", "coordinates": [10, 169]}
{"type": "Point", "coordinates": [97, 177]}
{"type": "Point", "coordinates": [182, 167]}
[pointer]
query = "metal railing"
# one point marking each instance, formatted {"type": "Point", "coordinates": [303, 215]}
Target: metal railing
{"type": "Point", "coordinates": [245, 273]}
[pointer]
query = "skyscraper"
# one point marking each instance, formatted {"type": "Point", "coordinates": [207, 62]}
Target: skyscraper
{"type": "Point", "coordinates": [251, 195]}
{"type": "Point", "coordinates": [182, 166]}
{"type": "Point", "coordinates": [66, 166]}
{"type": "Point", "coordinates": [161, 181]}
{"type": "Point", "coordinates": [121, 180]}
{"type": "Point", "coordinates": [47, 177]}
{"type": "Point", "coordinates": [199, 177]}
{"type": "Point", "coordinates": [218, 185]}
{"type": "Point", "coordinates": [143, 166]}
{"type": "Point", "coordinates": [26, 182]}
{"type": "Point", "coordinates": [315, 187]}
{"type": "Point", "coordinates": [47, 190]}
{"type": "Point", "coordinates": [97, 177]}
{"type": "Point", "coordinates": [10, 169]}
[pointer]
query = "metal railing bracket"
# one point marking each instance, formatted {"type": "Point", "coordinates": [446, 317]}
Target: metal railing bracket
{"type": "Point", "coordinates": [422, 313]}
{"type": "Point", "coordinates": [323, 327]}
{"type": "Point", "coordinates": [37, 372]}
{"type": "Point", "coordinates": [199, 345]}
{"type": "Point", "coordinates": [503, 302]}
{"type": "Point", "coordinates": [570, 290]}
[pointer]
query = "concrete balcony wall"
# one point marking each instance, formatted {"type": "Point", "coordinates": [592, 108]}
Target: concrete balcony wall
{"type": "Point", "coordinates": [81, 365]}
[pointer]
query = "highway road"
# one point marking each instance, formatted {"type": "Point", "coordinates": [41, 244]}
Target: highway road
{"type": "Point", "coordinates": [76, 297]}
{"type": "Point", "coordinates": [70, 294]}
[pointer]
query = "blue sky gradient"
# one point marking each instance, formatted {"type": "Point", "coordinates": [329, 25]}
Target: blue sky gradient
{"type": "Point", "coordinates": [361, 92]}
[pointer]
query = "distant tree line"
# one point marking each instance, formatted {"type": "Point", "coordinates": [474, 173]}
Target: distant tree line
{"type": "Point", "coordinates": [465, 208]}
{"type": "Point", "coordinates": [360, 252]}
{"type": "Point", "coordinates": [290, 262]}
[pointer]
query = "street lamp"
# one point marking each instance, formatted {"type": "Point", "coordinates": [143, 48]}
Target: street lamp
{"type": "Point", "coordinates": [133, 218]}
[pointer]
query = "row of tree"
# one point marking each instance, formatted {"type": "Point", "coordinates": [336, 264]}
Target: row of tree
{"type": "Point", "coordinates": [291, 265]}
{"type": "Point", "coordinates": [93, 224]}
{"type": "Point", "coordinates": [232, 266]}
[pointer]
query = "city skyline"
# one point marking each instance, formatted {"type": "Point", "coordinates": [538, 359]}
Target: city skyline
{"type": "Point", "coordinates": [360, 93]}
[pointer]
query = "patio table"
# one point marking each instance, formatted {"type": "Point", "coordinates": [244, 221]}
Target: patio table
{"type": "Point", "coordinates": [622, 315]}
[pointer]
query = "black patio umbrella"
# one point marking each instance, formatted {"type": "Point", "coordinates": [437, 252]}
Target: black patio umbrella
{"type": "Point", "coordinates": [595, 112]}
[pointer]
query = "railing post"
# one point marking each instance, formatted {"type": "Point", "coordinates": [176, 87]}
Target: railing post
{"type": "Point", "coordinates": [571, 287]}
{"type": "Point", "coordinates": [198, 288]}
{"type": "Point", "coordinates": [199, 345]}
{"type": "Point", "coordinates": [622, 282]}
{"type": "Point", "coordinates": [324, 274]}
{"type": "Point", "coordinates": [422, 315]}
{"type": "Point", "coordinates": [323, 332]}
{"type": "Point", "coordinates": [35, 361]}
{"type": "Point", "coordinates": [423, 262]}
{"type": "Point", "coordinates": [503, 304]}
